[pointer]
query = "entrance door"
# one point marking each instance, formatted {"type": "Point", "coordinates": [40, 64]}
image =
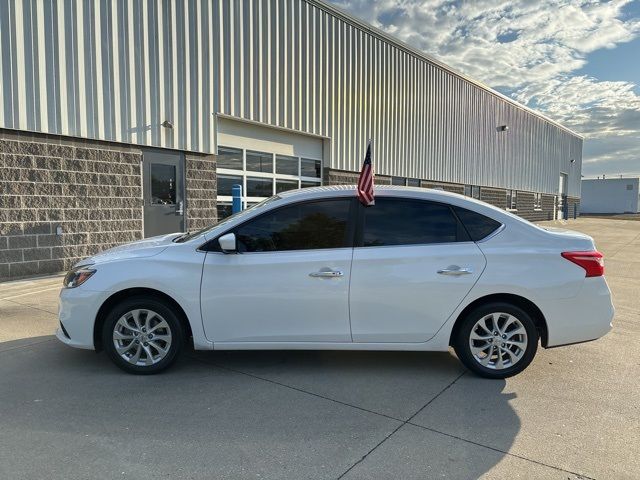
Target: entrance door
{"type": "Point", "coordinates": [163, 192]}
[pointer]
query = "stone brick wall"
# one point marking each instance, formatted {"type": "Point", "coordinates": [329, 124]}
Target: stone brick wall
{"type": "Point", "coordinates": [574, 207]}
{"type": "Point", "coordinates": [495, 196]}
{"type": "Point", "coordinates": [525, 206]}
{"type": "Point", "coordinates": [339, 177]}
{"type": "Point", "coordinates": [201, 185]}
{"type": "Point", "coordinates": [447, 187]}
{"type": "Point", "coordinates": [92, 192]}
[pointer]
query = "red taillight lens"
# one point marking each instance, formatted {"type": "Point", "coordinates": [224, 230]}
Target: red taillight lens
{"type": "Point", "coordinates": [592, 262]}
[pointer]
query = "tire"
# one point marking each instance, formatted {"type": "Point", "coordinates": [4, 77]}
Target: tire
{"type": "Point", "coordinates": [496, 356]}
{"type": "Point", "coordinates": [142, 335]}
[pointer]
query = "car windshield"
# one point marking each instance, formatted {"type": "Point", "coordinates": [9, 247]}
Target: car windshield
{"type": "Point", "coordinates": [189, 235]}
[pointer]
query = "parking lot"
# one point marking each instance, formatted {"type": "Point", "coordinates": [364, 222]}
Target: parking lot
{"type": "Point", "coordinates": [574, 413]}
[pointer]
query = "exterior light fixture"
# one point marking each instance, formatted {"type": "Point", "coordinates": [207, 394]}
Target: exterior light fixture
{"type": "Point", "coordinates": [167, 124]}
{"type": "Point", "coordinates": [573, 160]}
{"type": "Point", "coordinates": [502, 128]}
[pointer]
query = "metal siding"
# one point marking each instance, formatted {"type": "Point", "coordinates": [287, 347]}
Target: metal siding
{"type": "Point", "coordinates": [115, 70]}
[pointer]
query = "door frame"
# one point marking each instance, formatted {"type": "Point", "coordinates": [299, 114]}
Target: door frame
{"type": "Point", "coordinates": [145, 176]}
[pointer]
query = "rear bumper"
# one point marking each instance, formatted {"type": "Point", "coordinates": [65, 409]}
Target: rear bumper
{"type": "Point", "coordinates": [585, 317]}
{"type": "Point", "coordinates": [77, 313]}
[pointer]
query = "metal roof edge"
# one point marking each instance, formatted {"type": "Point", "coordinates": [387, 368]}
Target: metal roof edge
{"type": "Point", "coordinates": [340, 13]}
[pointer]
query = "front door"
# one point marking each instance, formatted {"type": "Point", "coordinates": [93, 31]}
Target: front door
{"type": "Point", "coordinates": [289, 281]}
{"type": "Point", "coordinates": [163, 192]}
{"type": "Point", "coordinates": [414, 266]}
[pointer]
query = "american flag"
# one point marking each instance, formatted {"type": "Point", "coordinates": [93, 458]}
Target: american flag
{"type": "Point", "coordinates": [365, 182]}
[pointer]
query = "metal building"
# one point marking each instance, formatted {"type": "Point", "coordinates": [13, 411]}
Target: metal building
{"type": "Point", "coordinates": [125, 119]}
{"type": "Point", "coordinates": [611, 195]}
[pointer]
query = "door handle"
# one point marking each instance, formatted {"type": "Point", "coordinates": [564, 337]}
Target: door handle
{"type": "Point", "coordinates": [326, 274]}
{"type": "Point", "coordinates": [455, 271]}
{"type": "Point", "coordinates": [180, 208]}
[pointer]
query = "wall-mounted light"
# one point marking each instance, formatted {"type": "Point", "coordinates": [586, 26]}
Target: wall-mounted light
{"type": "Point", "coordinates": [167, 124]}
{"type": "Point", "coordinates": [502, 128]}
{"type": "Point", "coordinates": [573, 160]}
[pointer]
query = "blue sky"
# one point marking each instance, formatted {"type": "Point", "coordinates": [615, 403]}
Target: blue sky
{"type": "Point", "coordinates": [577, 61]}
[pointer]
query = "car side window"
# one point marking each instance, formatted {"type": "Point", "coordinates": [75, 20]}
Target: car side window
{"type": "Point", "coordinates": [302, 226]}
{"type": "Point", "coordinates": [403, 221]}
{"type": "Point", "coordinates": [476, 224]}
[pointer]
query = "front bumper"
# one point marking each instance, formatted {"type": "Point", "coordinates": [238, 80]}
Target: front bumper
{"type": "Point", "coordinates": [585, 317]}
{"type": "Point", "coordinates": [77, 312]}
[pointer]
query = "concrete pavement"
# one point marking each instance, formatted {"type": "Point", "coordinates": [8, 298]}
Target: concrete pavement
{"type": "Point", "coordinates": [574, 413]}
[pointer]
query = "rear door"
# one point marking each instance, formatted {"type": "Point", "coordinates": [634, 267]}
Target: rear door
{"type": "Point", "coordinates": [413, 265]}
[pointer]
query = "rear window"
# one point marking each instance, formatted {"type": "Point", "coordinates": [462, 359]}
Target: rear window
{"type": "Point", "coordinates": [477, 225]}
{"type": "Point", "coordinates": [404, 221]}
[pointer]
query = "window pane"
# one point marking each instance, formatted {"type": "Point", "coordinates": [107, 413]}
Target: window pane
{"type": "Point", "coordinates": [407, 222]}
{"type": "Point", "coordinates": [259, 162]}
{"type": "Point", "coordinates": [224, 210]}
{"type": "Point", "coordinates": [287, 165]}
{"type": "Point", "coordinates": [397, 181]}
{"type": "Point", "coordinates": [310, 168]}
{"type": "Point", "coordinates": [467, 190]}
{"type": "Point", "coordinates": [413, 182]}
{"type": "Point", "coordinates": [475, 192]}
{"type": "Point", "coordinates": [284, 185]}
{"type": "Point", "coordinates": [259, 187]}
{"type": "Point", "coordinates": [163, 184]}
{"type": "Point", "coordinates": [304, 184]}
{"type": "Point", "coordinates": [298, 227]}
{"type": "Point", "coordinates": [476, 224]}
{"type": "Point", "coordinates": [226, 182]}
{"type": "Point", "coordinates": [229, 158]}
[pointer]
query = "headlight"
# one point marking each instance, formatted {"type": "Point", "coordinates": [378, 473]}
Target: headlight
{"type": "Point", "coordinates": [77, 277]}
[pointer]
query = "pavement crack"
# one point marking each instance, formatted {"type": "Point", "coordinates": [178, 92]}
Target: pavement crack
{"type": "Point", "coordinates": [30, 306]}
{"type": "Point", "coordinates": [581, 476]}
{"type": "Point", "coordinates": [222, 367]}
{"type": "Point", "coordinates": [405, 422]}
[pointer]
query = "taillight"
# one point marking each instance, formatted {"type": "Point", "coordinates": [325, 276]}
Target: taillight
{"type": "Point", "coordinates": [592, 262]}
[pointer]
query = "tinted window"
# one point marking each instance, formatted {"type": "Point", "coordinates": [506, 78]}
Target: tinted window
{"type": "Point", "coordinates": [310, 168]}
{"type": "Point", "coordinates": [286, 165]}
{"type": "Point", "coordinates": [163, 184]}
{"type": "Point", "coordinates": [476, 224]}
{"type": "Point", "coordinates": [229, 158]}
{"type": "Point", "coordinates": [394, 221]}
{"type": "Point", "coordinates": [259, 162]}
{"type": "Point", "coordinates": [259, 187]}
{"type": "Point", "coordinates": [303, 226]}
{"type": "Point", "coordinates": [226, 183]}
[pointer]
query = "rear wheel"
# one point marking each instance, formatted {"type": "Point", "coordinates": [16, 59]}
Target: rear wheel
{"type": "Point", "coordinates": [497, 340]}
{"type": "Point", "coordinates": [142, 335]}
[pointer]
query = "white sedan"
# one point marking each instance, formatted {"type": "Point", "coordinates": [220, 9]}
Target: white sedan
{"type": "Point", "coordinates": [314, 269]}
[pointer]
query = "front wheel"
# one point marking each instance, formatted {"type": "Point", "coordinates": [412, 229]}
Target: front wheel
{"type": "Point", "coordinates": [142, 335]}
{"type": "Point", "coordinates": [497, 340]}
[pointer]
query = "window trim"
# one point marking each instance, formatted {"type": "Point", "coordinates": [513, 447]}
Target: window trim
{"type": "Point", "coordinates": [212, 246]}
{"type": "Point", "coordinates": [359, 234]}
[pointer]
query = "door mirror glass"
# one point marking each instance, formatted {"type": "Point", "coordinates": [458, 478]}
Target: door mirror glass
{"type": "Point", "coordinates": [228, 242]}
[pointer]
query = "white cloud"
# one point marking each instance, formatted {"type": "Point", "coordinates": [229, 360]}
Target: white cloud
{"type": "Point", "coordinates": [532, 50]}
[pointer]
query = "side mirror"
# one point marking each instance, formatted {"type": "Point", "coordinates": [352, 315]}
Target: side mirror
{"type": "Point", "coordinates": [228, 242]}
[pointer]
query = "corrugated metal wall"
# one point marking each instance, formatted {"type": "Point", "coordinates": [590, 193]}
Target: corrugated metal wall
{"type": "Point", "coordinates": [116, 69]}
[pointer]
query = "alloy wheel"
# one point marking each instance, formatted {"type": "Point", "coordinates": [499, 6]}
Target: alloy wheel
{"type": "Point", "coordinates": [498, 340]}
{"type": "Point", "coordinates": [142, 337]}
